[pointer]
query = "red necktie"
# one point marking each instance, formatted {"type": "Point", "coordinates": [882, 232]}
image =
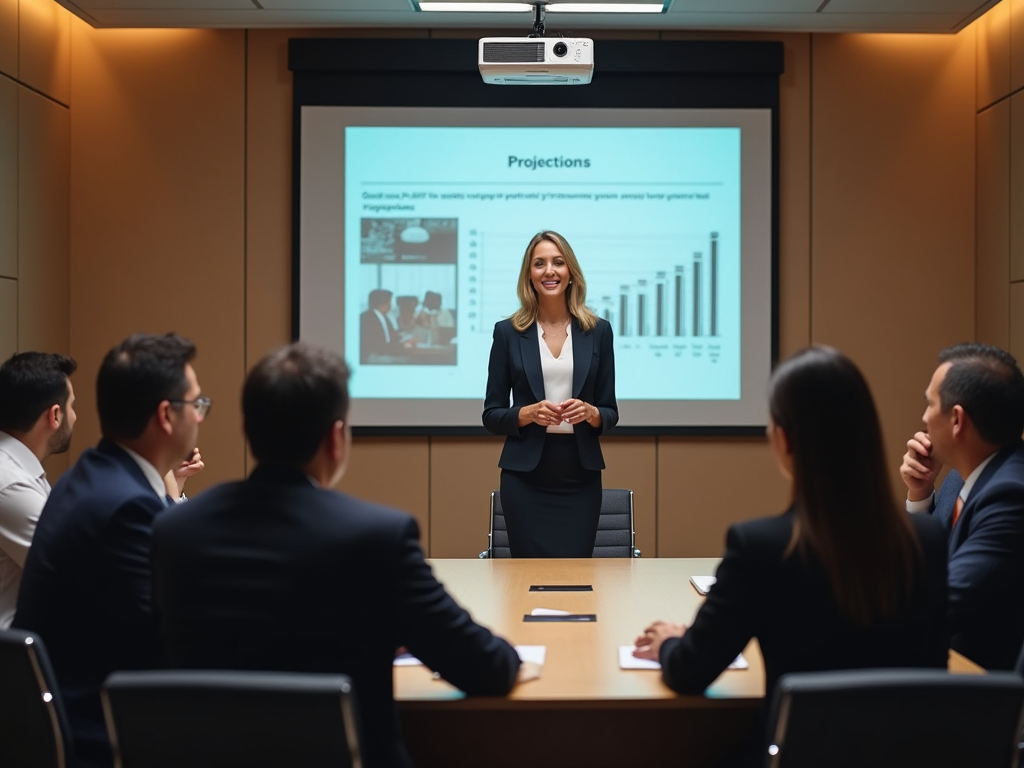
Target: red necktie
{"type": "Point", "coordinates": [956, 510]}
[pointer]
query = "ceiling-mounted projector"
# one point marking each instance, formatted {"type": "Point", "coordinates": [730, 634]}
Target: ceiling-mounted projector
{"type": "Point", "coordinates": [536, 60]}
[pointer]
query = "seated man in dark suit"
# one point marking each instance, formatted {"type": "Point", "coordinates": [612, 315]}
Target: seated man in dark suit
{"type": "Point", "coordinates": [279, 572]}
{"type": "Point", "coordinates": [973, 422]}
{"type": "Point", "coordinates": [378, 335]}
{"type": "Point", "coordinates": [86, 586]}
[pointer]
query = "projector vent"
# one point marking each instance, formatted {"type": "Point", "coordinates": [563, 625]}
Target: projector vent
{"type": "Point", "coordinates": [513, 52]}
{"type": "Point", "coordinates": [539, 80]}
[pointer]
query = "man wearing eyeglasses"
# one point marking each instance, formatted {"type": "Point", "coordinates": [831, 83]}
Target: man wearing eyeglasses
{"type": "Point", "coordinates": [86, 584]}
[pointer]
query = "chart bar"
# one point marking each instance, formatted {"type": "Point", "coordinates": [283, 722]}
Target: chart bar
{"type": "Point", "coordinates": [714, 283]}
{"type": "Point", "coordinates": [679, 301]}
{"type": "Point", "coordinates": [659, 308]}
{"type": "Point", "coordinates": [697, 327]}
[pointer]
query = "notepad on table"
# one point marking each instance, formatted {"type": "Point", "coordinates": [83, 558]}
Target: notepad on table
{"type": "Point", "coordinates": [702, 583]}
{"type": "Point", "coordinates": [628, 661]}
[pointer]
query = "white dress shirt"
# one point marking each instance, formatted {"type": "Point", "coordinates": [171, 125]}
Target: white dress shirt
{"type": "Point", "coordinates": [23, 492]}
{"type": "Point", "coordinates": [557, 375]}
{"type": "Point", "coordinates": [385, 325]}
{"type": "Point", "coordinates": [925, 505]}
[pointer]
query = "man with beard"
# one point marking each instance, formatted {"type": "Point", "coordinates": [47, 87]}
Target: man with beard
{"type": "Point", "coordinates": [37, 414]}
{"type": "Point", "coordinates": [86, 584]}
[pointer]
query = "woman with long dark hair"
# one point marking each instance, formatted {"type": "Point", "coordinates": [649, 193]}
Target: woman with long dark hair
{"type": "Point", "coordinates": [844, 578]}
{"type": "Point", "coordinates": [555, 358]}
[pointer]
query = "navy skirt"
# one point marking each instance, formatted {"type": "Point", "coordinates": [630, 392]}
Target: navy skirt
{"type": "Point", "coordinates": [552, 511]}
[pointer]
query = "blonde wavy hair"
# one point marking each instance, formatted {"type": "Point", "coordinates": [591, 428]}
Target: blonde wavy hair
{"type": "Point", "coordinates": [575, 291]}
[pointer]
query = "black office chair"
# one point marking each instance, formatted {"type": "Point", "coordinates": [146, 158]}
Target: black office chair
{"type": "Point", "coordinates": [34, 730]}
{"type": "Point", "coordinates": [1019, 669]}
{"type": "Point", "coordinates": [895, 718]}
{"type": "Point", "coordinates": [230, 719]}
{"type": "Point", "coordinates": [615, 534]}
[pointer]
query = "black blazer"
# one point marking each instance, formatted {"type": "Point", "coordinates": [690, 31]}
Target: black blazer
{"type": "Point", "coordinates": [372, 340]}
{"type": "Point", "coordinates": [788, 605]}
{"type": "Point", "coordinates": [86, 587]}
{"type": "Point", "coordinates": [986, 560]}
{"type": "Point", "coordinates": [515, 367]}
{"type": "Point", "coordinates": [273, 573]}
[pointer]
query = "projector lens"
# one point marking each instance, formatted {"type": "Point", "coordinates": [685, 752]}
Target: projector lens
{"type": "Point", "coordinates": [560, 49]}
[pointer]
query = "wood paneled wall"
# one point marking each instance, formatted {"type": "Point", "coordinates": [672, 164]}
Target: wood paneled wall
{"type": "Point", "coordinates": [180, 152]}
{"type": "Point", "coordinates": [35, 122]}
{"type": "Point", "coordinates": [1000, 178]}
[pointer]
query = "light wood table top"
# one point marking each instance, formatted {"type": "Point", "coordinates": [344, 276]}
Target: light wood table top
{"type": "Point", "coordinates": [582, 658]}
{"type": "Point", "coordinates": [582, 661]}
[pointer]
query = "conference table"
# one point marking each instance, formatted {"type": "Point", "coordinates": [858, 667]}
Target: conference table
{"type": "Point", "coordinates": [583, 710]}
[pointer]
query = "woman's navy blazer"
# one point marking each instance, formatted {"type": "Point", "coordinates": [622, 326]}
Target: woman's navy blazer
{"type": "Point", "coordinates": [514, 367]}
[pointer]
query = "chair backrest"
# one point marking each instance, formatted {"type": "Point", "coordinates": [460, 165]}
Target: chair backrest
{"type": "Point", "coordinates": [615, 526]}
{"type": "Point", "coordinates": [615, 536]}
{"type": "Point", "coordinates": [499, 534]}
{"type": "Point", "coordinates": [222, 719]}
{"type": "Point", "coordinates": [895, 718]}
{"type": "Point", "coordinates": [33, 727]}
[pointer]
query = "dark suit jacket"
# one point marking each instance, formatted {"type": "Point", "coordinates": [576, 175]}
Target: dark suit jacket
{"type": "Point", "coordinates": [986, 560]}
{"type": "Point", "coordinates": [273, 573]}
{"type": "Point", "coordinates": [86, 586]}
{"type": "Point", "coordinates": [788, 605]}
{"type": "Point", "coordinates": [515, 367]}
{"type": "Point", "coordinates": [372, 340]}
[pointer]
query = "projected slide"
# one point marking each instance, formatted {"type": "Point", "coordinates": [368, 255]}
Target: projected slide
{"type": "Point", "coordinates": [414, 223]}
{"type": "Point", "coordinates": [440, 218]}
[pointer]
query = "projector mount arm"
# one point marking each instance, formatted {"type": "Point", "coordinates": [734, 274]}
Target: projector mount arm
{"type": "Point", "coordinates": [538, 20]}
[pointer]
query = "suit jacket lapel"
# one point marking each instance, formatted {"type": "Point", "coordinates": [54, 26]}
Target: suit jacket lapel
{"type": "Point", "coordinates": [582, 355]}
{"type": "Point", "coordinates": [959, 532]}
{"type": "Point", "coordinates": [529, 346]}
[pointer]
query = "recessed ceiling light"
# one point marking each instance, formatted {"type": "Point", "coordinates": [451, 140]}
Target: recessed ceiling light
{"type": "Point", "coordinates": [465, 7]}
{"type": "Point", "coordinates": [605, 8]}
{"type": "Point", "coordinates": [469, 6]}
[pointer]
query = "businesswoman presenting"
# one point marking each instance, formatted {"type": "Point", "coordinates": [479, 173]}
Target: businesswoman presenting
{"type": "Point", "coordinates": [555, 356]}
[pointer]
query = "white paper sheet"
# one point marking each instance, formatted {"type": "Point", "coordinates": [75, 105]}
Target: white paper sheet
{"type": "Point", "coordinates": [534, 653]}
{"type": "Point", "coordinates": [628, 661]}
{"type": "Point", "coordinates": [702, 583]}
{"type": "Point", "coordinates": [549, 612]}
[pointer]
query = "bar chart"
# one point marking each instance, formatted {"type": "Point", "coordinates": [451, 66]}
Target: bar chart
{"type": "Point", "coordinates": [679, 297]}
{"type": "Point", "coordinates": [674, 303]}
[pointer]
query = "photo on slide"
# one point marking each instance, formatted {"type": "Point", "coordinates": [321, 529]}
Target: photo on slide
{"type": "Point", "coordinates": [408, 278]}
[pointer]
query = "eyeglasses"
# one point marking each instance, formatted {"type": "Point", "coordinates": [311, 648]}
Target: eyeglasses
{"type": "Point", "coordinates": [201, 404]}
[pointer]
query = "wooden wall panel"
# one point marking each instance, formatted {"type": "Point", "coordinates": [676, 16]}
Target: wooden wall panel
{"type": "Point", "coordinates": [893, 210]}
{"type": "Point", "coordinates": [1015, 194]}
{"type": "Point", "coordinates": [705, 487]}
{"type": "Point", "coordinates": [158, 172]}
{"type": "Point", "coordinates": [268, 211]}
{"type": "Point", "coordinates": [44, 237]}
{"type": "Point", "coordinates": [8, 176]}
{"type": "Point", "coordinates": [45, 48]}
{"type": "Point", "coordinates": [993, 55]}
{"type": "Point", "coordinates": [632, 462]}
{"type": "Point", "coordinates": [395, 472]}
{"type": "Point", "coordinates": [463, 472]}
{"type": "Point", "coordinates": [993, 233]}
{"type": "Point", "coordinates": [1016, 44]}
{"type": "Point", "coordinates": [8, 317]}
{"type": "Point", "coordinates": [9, 38]}
{"type": "Point", "coordinates": [1017, 321]}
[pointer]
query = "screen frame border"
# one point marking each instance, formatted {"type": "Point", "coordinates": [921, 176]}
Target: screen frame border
{"type": "Point", "coordinates": [396, 72]}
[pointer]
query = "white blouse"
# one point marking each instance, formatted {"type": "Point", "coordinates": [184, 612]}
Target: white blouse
{"type": "Point", "coordinates": [557, 375]}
